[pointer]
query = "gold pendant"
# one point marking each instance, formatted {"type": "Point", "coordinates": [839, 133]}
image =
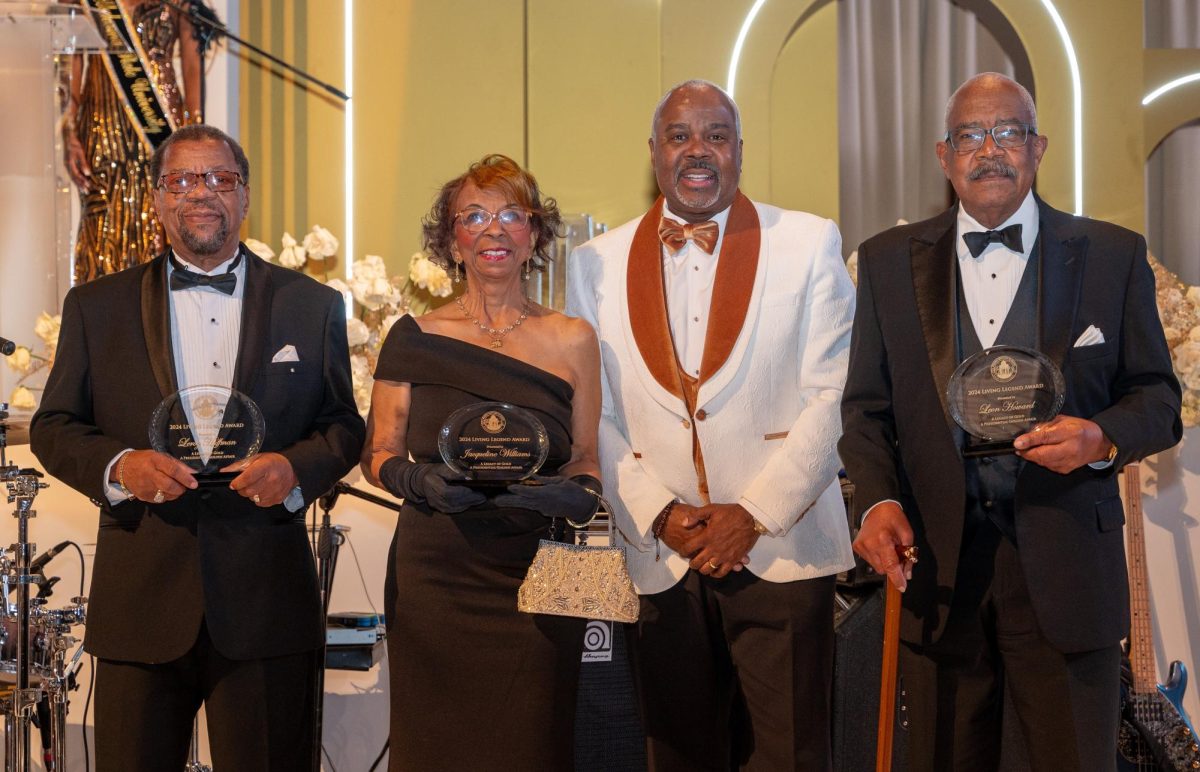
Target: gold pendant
{"type": "Point", "coordinates": [497, 344]}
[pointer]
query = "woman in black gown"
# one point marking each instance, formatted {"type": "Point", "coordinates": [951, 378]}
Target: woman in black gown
{"type": "Point", "coordinates": [476, 684]}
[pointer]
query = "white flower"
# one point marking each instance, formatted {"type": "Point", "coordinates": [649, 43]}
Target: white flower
{"type": "Point", "coordinates": [22, 399]}
{"type": "Point", "coordinates": [260, 249]}
{"type": "Point", "coordinates": [320, 244]}
{"type": "Point", "coordinates": [430, 276]}
{"type": "Point", "coordinates": [371, 286]}
{"type": "Point", "coordinates": [293, 255]}
{"type": "Point", "coordinates": [1193, 295]}
{"type": "Point", "coordinates": [357, 332]}
{"type": "Point", "coordinates": [20, 359]}
{"type": "Point", "coordinates": [46, 327]}
{"type": "Point", "coordinates": [360, 374]}
{"type": "Point", "coordinates": [386, 325]}
{"type": "Point", "coordinates": [1187, 357]}
{"type": "Point", "coordinates": [338, 285]}
{"type": "Point", "coordinates": [852, 267]}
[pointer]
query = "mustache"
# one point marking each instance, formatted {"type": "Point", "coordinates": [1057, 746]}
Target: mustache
{"type": "Point", "coordinates": [705, 165]}
{"type": "Point", "coordinates": [990, 167]}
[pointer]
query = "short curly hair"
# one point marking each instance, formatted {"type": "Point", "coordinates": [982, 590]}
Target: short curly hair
{"type": "Point", "coordinates": [497, 172]}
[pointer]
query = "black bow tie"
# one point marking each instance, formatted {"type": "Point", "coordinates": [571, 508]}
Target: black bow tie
{"type": "Point", "coordinates": [1009, 237]}
{"type": "Point", "coordinates": [182, 278]}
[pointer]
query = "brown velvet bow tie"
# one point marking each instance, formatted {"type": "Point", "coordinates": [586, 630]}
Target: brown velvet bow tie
{"type": "Point", "coordinates": [676, 234]}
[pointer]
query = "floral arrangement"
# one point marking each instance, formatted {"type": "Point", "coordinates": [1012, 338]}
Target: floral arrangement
{"type": "Point", "coordinates": [1179, 311]}
{"type": "Point", "coordinates": [24, 361]}
{"type": "Point", "coordinates": [379, 299]}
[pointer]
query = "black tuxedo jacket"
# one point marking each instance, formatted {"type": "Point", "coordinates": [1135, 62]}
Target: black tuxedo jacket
{"type": "Point", "coordinates": [899, 441]}
{"type": "Point", "coordinates": [211, 554]}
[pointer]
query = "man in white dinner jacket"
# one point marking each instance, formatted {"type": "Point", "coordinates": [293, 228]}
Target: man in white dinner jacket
{"type": "Point", "coordinates": [724, 329]}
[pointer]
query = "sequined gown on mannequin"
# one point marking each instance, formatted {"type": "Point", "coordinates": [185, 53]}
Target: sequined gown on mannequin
{"type": "Point", "coordinates": [118, 225]}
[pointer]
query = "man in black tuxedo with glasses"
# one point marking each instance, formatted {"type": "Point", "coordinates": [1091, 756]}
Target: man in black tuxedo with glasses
{"type": "Point", "coordinates": [201, 594]}
{"type": "Point", "coordinates": [1021, 584]}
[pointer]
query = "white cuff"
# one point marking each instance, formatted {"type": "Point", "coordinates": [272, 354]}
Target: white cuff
{"type": "Point", "coordinates": [872, 509]}
{"type": "Point", "coordinates": [114, 492]}
{"type": "Point", "coordinates": [294, 501]}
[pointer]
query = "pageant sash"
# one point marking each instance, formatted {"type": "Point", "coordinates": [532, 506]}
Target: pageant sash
{"type": "Point", "coordinates": [126, 64]}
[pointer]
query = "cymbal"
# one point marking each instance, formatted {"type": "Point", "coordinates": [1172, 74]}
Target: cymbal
{"type": "Point", "coordinates": [17, 428]}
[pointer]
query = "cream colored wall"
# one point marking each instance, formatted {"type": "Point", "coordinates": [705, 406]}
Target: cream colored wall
{"type": "Point", "coordinates": [567, 87]}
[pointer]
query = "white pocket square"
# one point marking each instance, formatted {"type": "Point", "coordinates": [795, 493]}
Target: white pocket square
{"type": "Point", "coordinates": [286, 354]}
{"type": "Point", "coordinates": [1090, 337]}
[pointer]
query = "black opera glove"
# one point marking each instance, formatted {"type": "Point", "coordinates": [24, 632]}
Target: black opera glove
{"type": "Point", "coordinates": [430, 484]}
{"type": "Point", "coordinates": [576, 498]}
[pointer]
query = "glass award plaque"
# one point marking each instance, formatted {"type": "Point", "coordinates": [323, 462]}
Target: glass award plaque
{"type": "Point", "coordinates": [493, 444]}
{"type": "Point", "coordinates": [208, 428]}
{"type": "Point", "coordinates": [1002, 392]}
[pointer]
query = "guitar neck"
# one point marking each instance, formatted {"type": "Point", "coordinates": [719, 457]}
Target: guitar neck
{"type": "Point", "coordinates": [1141, 632]}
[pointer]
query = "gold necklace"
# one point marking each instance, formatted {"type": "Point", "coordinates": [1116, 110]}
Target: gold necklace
{"type": "Point", "coordinates": [497, 336]}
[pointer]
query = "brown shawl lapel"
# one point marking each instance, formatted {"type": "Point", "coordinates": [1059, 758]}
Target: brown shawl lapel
{"type": "Point", "coordinates": [733, 285]}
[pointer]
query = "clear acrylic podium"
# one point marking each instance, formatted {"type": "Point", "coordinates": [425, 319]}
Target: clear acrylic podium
{"type": "Point", "coordinates": [34, 263]}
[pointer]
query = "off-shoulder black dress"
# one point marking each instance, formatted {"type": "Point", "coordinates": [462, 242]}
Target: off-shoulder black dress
{"type": "Point", "coordinates": [475, 684]}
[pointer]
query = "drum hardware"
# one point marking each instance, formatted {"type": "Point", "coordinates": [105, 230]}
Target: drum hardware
{"type": "Point", "coordinates": [40, 636]}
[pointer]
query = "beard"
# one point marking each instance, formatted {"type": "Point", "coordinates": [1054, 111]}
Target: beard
{"type": "Point", "coordinates": [698, 200]}
{"type": "Point", "coordinates": [199, 244]}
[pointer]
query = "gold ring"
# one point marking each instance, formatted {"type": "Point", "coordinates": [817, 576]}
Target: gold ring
{"type": "Point", "coordinates": [713, 566]}
{"type": "Point", "coordinates": [159, 497]}
{"type": "Point", "coordinates": [254, 498]}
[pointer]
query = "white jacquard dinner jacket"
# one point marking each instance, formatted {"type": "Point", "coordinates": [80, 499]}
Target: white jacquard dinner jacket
{"type": "Point", "coordinates": [767, 409]}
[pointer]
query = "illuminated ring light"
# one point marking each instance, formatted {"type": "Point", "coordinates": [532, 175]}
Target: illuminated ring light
{"type": "Point", "coordinates": [1072, 60]}
{"type": "Point", "coordinates": [1170, 86]}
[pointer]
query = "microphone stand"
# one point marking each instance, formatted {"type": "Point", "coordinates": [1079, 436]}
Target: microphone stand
{"type": "Point", "coordinates": [209, 29]}
{"type": "Point", "coordinates": [329, 540]}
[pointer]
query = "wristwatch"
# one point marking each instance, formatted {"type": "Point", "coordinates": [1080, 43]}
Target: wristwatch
{"type": "Point", "coordinates": [759, 528]}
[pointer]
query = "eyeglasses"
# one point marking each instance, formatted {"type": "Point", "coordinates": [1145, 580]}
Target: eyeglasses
{"type": "Point", "coordinates": [1006, 135]}
{"type": "Point", "coordinates": [476, 219]}
{"type": "Point", "coordinates": [186, 182]}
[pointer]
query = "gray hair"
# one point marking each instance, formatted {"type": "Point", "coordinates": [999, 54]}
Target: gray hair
{"type": "Point", "coordinates": [199, 132]}
{"type": "Point", "coordinates": [1022, 92]}
{"type": "Point", "coordinates": [696, 83]}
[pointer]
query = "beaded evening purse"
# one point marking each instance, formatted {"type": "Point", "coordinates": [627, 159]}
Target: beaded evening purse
{"type": "Point", "coordinates": [576, 580]}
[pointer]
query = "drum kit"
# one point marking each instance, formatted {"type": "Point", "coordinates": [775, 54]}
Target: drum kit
{"type": "Point", "coordinates": [39, 657]}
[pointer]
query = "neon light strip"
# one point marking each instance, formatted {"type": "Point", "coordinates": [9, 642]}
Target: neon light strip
{"type": "Point", "coordinates": [1076, 101]}
{"type": "Point", "coordinates": [1164, 88]}
{"type": "Point", "coordinates": [348, 130]}
{"type": "Point", "coordinates": [1076, 83]}
{"type": "Point", "coordinates": [741, 40]}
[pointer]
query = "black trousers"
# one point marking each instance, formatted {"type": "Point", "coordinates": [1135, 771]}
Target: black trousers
{"type": "Point", "coordinates": [259, 712]}
{"type": "Point", "coordinates": [1067, 704]}
{"type": "Point", "coordinates": [736, 674]}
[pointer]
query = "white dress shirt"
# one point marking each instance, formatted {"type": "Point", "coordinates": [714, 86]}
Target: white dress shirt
{"type": "Point", "coordinates": [688, 277]}
{"type": "Point", "coordinates": [990, 281]}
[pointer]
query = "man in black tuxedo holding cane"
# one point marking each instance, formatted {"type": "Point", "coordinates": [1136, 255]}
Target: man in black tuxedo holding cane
{"type": "Point", "coordinates": [1021, 583]}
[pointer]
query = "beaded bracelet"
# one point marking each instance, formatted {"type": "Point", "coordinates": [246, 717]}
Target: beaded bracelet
{"type": "Point", "coordinates": [660, 525]}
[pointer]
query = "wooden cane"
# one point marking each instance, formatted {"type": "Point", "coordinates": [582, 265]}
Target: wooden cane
{"type": "Point", "coordinates": [891, 656]}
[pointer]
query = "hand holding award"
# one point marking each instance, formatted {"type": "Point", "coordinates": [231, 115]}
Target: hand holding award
{"type": "Point", "coordinates": [1000, 393]}
{"type": "Point", "coordinates": [210, 429]}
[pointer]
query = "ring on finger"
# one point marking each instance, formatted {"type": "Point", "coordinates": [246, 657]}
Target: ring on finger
{"type": "Point", "coordinates": [713, 566]}
{"type": "Point", "coordinates": [159, 497]}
